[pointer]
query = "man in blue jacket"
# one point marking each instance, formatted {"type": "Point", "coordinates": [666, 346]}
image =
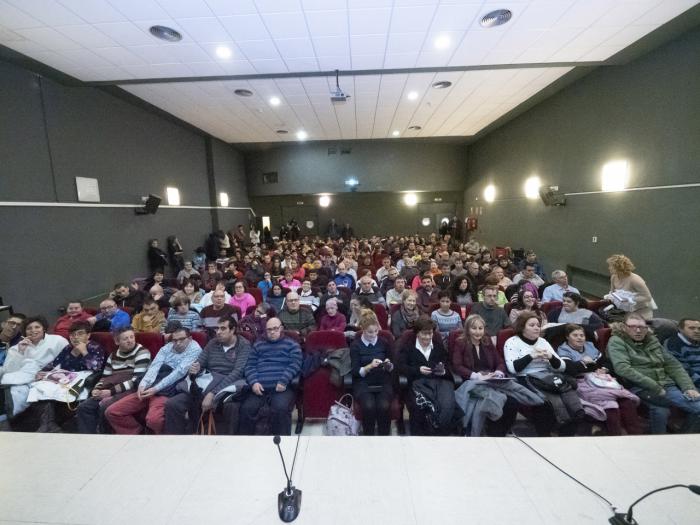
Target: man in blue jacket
{"type": "Point", "coordinates": [274, 362]}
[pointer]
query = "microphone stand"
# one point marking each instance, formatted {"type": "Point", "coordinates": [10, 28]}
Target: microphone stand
{"type": "Point", "coordinates": [289, 500]}
{"type": "Point", "coordinates": [626, 519]}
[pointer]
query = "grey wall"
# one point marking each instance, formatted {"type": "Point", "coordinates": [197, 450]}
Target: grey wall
{"type": "Point", "coordinates": [646, 112]}
{"type": "Point", "coordinates": [377, 165]}
{"type": "Point", "coordinates": [375, 213]}
{"type": "Point", "coordinates": [51, 133]}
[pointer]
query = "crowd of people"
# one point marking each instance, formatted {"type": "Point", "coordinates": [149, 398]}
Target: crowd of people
{"type": "Point", "coordinates": [423, 319]}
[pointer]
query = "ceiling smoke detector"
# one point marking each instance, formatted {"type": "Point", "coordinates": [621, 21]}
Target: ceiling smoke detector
{"type": "Point", "coordinates": [496, 18]}
{"type": "Point", "coordinates": [165, 33]}
{"type": "Point", "coordinates": [244, 92]}
{"type": "Point", "coordinates": [442, 84]}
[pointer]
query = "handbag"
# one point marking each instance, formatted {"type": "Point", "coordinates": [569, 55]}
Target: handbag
{"type": "Point", "coordinates": [208, 428]}
{"type": "Point", "coordinates": [341, 419]}
{"type": "Point", "coordinates": [552, 382]}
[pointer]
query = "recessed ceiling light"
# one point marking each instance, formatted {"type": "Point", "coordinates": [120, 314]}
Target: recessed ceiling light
{"type": "Point", "coordinates": [275, 101]}
{"type": "Point", "coordinates": [410, 199]}
{"type": "Point", "coordinates": [281, 131]}
{"type": "Point", "coordinates": [496, 18]}
{"type": "Point", "coordinates": [395, 133]}
{"type": "Point", "coordinates": [442, 84]}
{"type": "Point", "coordinates": [412, 95]}
{"type": "Point", "coordinates": [442, 42]}
{"type": "Point", "coordinates": [165, 33]}
{"type": "Point", "coordinates": [415, 128]}
{"type": "Point", "coordinates": [223, 52]}
{"type": "Point", "coordinates": [302, 135]}
{"type": "Point", "coordinates": [244, 92]}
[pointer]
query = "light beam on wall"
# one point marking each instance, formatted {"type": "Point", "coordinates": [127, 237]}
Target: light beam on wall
{"type": "Point", "coordinates": [490, 193]}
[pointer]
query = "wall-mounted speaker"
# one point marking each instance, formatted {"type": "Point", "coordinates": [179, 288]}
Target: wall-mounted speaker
{"type": "Point", "coordinates": [551, 198]}
{"type": "Point", "coordinates": [150, 206]}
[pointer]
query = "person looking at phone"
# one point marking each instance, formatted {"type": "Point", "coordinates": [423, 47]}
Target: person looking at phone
{"type": "Point", "coordinates": [371, 375]}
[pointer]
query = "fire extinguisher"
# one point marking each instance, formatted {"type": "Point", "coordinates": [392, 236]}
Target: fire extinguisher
{"type": "Point", "coordinates": [472, 223]}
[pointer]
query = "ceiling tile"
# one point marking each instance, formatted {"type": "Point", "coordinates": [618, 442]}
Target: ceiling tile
{"type": "Point", "coordinates": [327, 63]}
{"type": "Point", "coordinates": [584, 13]}
{"type": "Point", "coordinates": [228, 7]}
{"type": "Point", "coordinates": [119, 56]}
{"type": "Point", "coordinates": [318, 5]}
{"type": "Point", "coordinates": [48, 12]}
{"type": "Point", "coordinates": [49, 38]}
{"type": "Point", "coordinates": [542, 15]}
{"type": "Point", "coordinates": [14, 18]}
{"type": "Point", "coordinates": [245, 27]}
{"type": "Point", "coordinates": [327, 23]}
{"type": "Point", "coordinates": [94, 11]}
{"type": "Point", "coordinates": [301, 64]}
{"type": "Point", "coordinates": [86, 35]}
{"type": "Point", "coordinates": [295, 47]}
{"type": "Point", "coordinates": [367, 61]}
{"type": "Point", "coordinates": [286, 25]}
{"type": "Point", "coordinates": [139, 9]}
{"type": "Point", "coordinates": [86, 58]}
{"type": "Point", "coordinates": [204, 29]}
{"type": "Point", "coordinates": [259, 49]}
{"type": "Point", "coordinates": [368, 44]}
{"type": "Point", "coordinates": [369, 21]}
{"type": "Point", "coordinates": [400, 60]}
{"type": "Point", "coordinates": [278, 6]}
{"type": "Point", "coordinates": [126, 34]}
{"type": "Point", "coordinates": [404, 42]}
{"type": "Point", "coordinates": [186, 8]}
{"type": "Point", "coordinates": [332, 46]}
{"type": "Point", "coordinates": [412, 19]}
{"type": "Point", "coordinates": [189, 53]}
{"type": "Point", "coordinates": [269, 66]}
{"type": "Point", "coordinates": [454, 17]}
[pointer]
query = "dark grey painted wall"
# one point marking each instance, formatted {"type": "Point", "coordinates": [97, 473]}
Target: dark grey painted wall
{"type": "Point", "coordinates": [377, 165]}
{"type": "Point", "coordinates": [647, 112]}
{"type": "Point", "coordinates": [380, 213]}
{"type": "Point", "coordinates": [56, 253]}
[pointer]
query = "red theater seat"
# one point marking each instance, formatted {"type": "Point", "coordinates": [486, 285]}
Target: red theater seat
{"type": "Point", "coordinates": [153, 341]}
{"type": "Point", "coordinates": [105, 340]}
{"type": "Point", "coordinates": [319, 392]}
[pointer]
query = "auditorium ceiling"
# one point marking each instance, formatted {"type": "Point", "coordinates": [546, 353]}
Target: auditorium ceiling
{"type": "Point", "coordinates": [390, 53]}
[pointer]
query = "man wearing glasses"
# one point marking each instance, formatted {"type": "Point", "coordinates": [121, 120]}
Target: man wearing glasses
{"type": "Point", "coordinates": [9, 334]}
{"type": "Point", "coordinates": [110, 318]}
{"type": "Point", "coordinates": [655, 376]}
{"type": "Point", "coordinates": [158, 384]}
{"type": "Point", "coordinates": [685, 346]}
{"type": "Point", "coordinates": [274, 362]}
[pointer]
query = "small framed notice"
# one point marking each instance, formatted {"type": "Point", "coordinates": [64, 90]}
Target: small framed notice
{"type": "Point", "coordinates": [88, 189]}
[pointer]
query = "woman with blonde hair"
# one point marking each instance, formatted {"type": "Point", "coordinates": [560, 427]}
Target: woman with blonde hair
{"type": "Point", "coordinates": [372, 375]}
{"type": "Point", "coordinates": [628, 291]}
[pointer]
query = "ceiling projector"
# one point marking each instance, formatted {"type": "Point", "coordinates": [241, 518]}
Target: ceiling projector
{"type": "Point", "coordinates": [338, 96]}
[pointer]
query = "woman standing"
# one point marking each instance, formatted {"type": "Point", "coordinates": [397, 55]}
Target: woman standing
{"type": "Point", "coordinates": [371, 376]}
{"type": "Point", "coordinates": [157, 260]}
{"type": "Point", "coordinates": [175, 252]}
{"type": "Point", "coordinates": [623, 280]}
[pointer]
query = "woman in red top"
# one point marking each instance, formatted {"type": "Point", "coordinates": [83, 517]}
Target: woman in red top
{"type": "Point", "coordinates": [332, 319]}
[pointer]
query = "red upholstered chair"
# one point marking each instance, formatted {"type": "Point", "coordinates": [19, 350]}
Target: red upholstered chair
{"type": "Point", "coordinates": [152, 341]}
{"type": "Point", "coordinates": [508, 307]}
{"type": "Point", "coordinates": [502, 337]}
{"type": "Point", "coordinates": [451, 344]}
{"type": "Point", "coordinates": [551, 305]}
{"type": "Point", "coordinates": [319, 392]}
{"type": "Point", "coordinates": [250, 309]}
{"type": "Point", "coordinates": [91, 311]}
{"type": "Point", "coordinates": [250, 336]}
{"type": "Point", "coordinates": [257, 293]}
{"type": "Point", "coordinates": [394, 308]}
{"type": "Point", "coordinates": [201, 337]}
{"type": "Point", "coordinates": [382, 316]}
{"type": "Point", "coordinates": [129, 310]}
{"type": "Point", "coordinates": [603, 335]}
{"type": "Point", "coordinates": [105, 340]}
{"type": "Point", "coordinates": [594, 306]}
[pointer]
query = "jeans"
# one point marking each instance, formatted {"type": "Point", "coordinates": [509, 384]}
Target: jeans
{"type": "Point", "coordinates": [658, 415]}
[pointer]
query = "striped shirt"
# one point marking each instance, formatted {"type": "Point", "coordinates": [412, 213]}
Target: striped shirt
{"type": "Point", "coordinates": [137, 360]}
{"type": "Point", "coordinates": [273, 362]}
{"type": "Point", "coordinates": [446, 322]}
{"type": "Point", "coordinates": [189, 320]}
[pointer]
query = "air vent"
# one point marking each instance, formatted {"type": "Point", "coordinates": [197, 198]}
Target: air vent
{"type": "Point", "coordinates": [165, 33]}
{"type": "Point", "coordinates": [442, 84]}
{"type": "Point", "coordinates": [244, 92]}
{"type": "Point", "coordinates": [281, 131]}
{"type": "Point", "coordinates": [496, 18]}
{"type": "Point", "coordinates": [415, 128]}
{"type": "Point", "coordinates": [269, 177]}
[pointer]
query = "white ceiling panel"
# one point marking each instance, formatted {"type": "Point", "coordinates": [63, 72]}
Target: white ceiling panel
{"type": "Point", "coordinates": [109, 40]}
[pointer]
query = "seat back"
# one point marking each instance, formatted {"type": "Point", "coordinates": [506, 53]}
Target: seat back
{"type": "Point", "coordinates": [257, 293]}
{"type": "Point", "coordinates": [153, 341]}
{"type": "Point", "coordinates": [502, 337]}
{"type": "Point", "coordinates": [105, 340]}
{"type": "Point", "coordinates": [322, 340]}
{"type": "Point", "coordinates": [201, 337]}
{"type": "Point", "coordinates": [382, 316]}
{"type": "Point", "coordinates": [551, 305]}
{"type": "Point", "coordinates": [603, 335]}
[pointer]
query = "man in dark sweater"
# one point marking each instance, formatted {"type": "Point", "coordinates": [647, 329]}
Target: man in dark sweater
{"type": "Point", "coordinates": [495, 317]}
{"type": "Point", "coordinates": [274, 362]}
{"type": "Point", "coordinates": [225, 358]}
{"type": "Point", "coordinates": [427, 294]}
{"type": "Point", "coordinates": [296, 318]}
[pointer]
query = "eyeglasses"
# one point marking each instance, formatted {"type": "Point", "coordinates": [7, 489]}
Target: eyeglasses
{"type": "Point", "coordinates": [13, 323]}
{"type": "Point", "coordinates": [639, 328]}
{"type": "Point", "coordinates": [273, 328]}
{"type": "Point", "coordinates": [179, 339]}
{"type": "Point", "coordinates": [78, 333]}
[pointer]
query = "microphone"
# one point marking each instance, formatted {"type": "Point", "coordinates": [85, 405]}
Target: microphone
{"type": "Point", "coordinates": [289, 500]}
{"type": "Point", "coordinates": [626, 519]}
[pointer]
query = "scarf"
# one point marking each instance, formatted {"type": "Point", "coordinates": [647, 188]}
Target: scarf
{"type": "Point", "coordinates": [408, 316]}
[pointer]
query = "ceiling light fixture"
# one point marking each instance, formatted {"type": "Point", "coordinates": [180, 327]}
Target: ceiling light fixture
{"type": "Point", "coordinates": [223, 199]}
{"type": "Point", "coordinates": [532, 187]}
{"type": "Point", "coordinates": [490, 193]}
{"type": "Point", "coordinates": [275, 101]}
{"type": "Point", "coordinates": [496, 18]}
{"type": "Point", "coordinates": [243, 92]}
{"type": "Point", "coordinates": [395, 133]}
{"type": "Point", "coordinates": [165, 33]}
{"type": "Point", "coordinates": [410, 199]}
{"type": "Point", "coordinates": [616, 175]}
{"type": "Point", "coordinates": [324, 201]}
{"type": "Point", "coordinates": [415, 128]}
{"type": "Point", "coordinates": [223, 52]}
{"type": "Point", "coordinates": [302, 135]}
{"type": "Point", "coordinates": [441, 84]}
{"type": "Point", "coordinates": [442, 42]}
{"type": "Point", "coordinates": [412, 95]}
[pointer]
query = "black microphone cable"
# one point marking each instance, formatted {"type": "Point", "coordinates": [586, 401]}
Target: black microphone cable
{"type": "Point", "coordinates": [589, 489]}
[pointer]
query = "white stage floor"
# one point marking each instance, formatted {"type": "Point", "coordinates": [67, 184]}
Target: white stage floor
{"type": "Point", "coordinates": [102, 480]}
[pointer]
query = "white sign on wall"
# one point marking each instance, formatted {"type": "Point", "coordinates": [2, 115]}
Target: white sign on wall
{"type": "Point", "coordinates": [88, 189]}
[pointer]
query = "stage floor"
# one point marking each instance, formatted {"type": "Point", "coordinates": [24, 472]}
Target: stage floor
{"type": "Point", "coordinates": [101, 480]}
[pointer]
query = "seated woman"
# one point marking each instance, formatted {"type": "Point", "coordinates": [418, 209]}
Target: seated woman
{"type": "Point", "coordinates": [527, 302]}
{"type": "Point", "coordinates": [276, 297]}
{"type": "Point", "coordinates": [503, 281]}
{"type": "Point", "coordinates": [254, 323]}
{"type": "Point", "coordinates": [193, 293]}
{"type": "Point", "coordinates": [35, 350]}
{"type": "Point", "coordinates": [474, 357]}
{"type": "Point", "coordinates": [289, 281]}
{"type": "Point", "coordinates": [461, 291]}
{"type": "Point", "coordinates": [240, 298]}
{"type": "Point", "coordinates": [80, 355]}
{"type": "Point", "coordinates": [157, 293]}
{"type": "Point", "coordinates": [423, 360]}
{"type": "Point", "coordinates": [535, 364]}
{"type": "Point", "coordinates": [182, 313]}
{"type": "Point", "coordinates": [371, 376]}
{"type": "Point", "coordinates": [445, 317]}
{"type": "Point", "coordinates": [596, 386]}
{"type": "Point", "coordinates": [509, 268]}
{"type": "Point", "coordinates": [332, 319]}
{"type": "Point", "coordinates": [403, 318]}
{"type": "Point", "coordinates": [574, 311]}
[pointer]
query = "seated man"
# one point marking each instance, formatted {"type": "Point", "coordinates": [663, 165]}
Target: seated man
{"type": "Point", "coordinates": [127, 297]}
{"type": "Point", "coordinates": [343, 278]}
{"type": "Point", "coordinates": [495, 317]}
{"type": "Point", "coordinates": [158, 384]}
{"type": "Point", "coordinates": [123, 370]}
{"type": "Point", "coordinates": [187, 272]}
{"type": "Point", "coordinates": [389, 281]}
{"type": "Point", "coordinates": [394, 295]}
{"type": "Point", "coordinates": [110, 318]}
{"type": "Point", "coordinates": [443, 280]}
{"type": "Point", "coordinates": [225, 358]}
{"type": "Point", "coordinates": [300, 320]}
{"type": "Point", "coordinates": [427, 294]}
{"type": "Point", "coordinates": [149, 319]}
{"type": "Point", "coordinates": [555, 292]}
{"type": "Point", "coordinates": [274, 362]}
{"type": "Point", "coordinates": [211, 314]}
{"type": "Point", "coordinates": [208, 298]}
{"type": "Point", "coordinates": [74, 313]}
{"type": "Point", "coordinates": [332, 292]}
{"type": "Point", "coordinates": [528, 275]}
{"type": "Point", "coordinates": [307, 296]}
{"type": "Point", "coordinates": [211, 277]}
{"type": "Point", "coordinates": [685, 346]}
{"type": "Point", "coordinates": [531, 258]}
{"type": "Point", "coordinates": [653, 374]}
{"type": "Point", "coordinates": [459, 270]}
{"type": "Point", "coordinates": [10, 334]}
{"type": "Point", "coordinates": [366, 291]}
{"type": "Point", "coordinates": [383, 272]}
